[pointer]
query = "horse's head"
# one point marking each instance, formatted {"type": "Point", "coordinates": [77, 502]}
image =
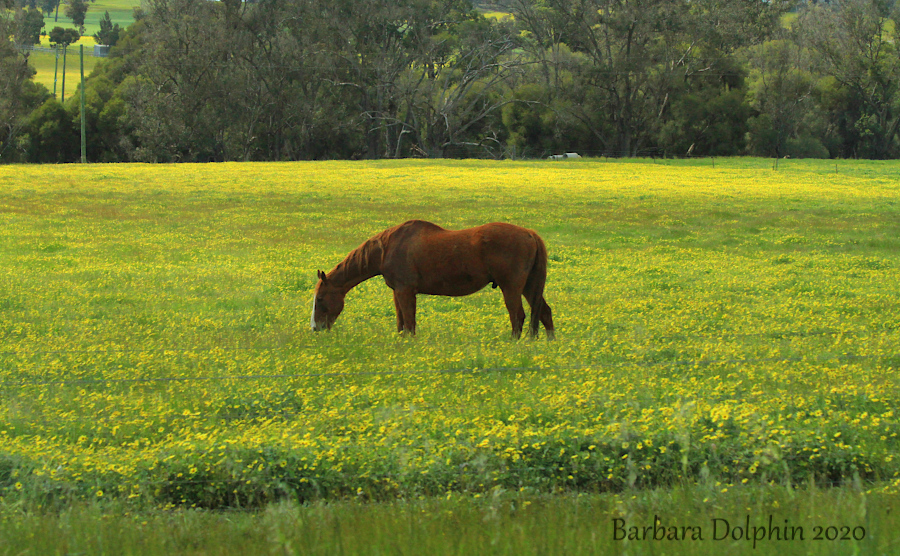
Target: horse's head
{"type": "Point", "coordinates": [328, 303]}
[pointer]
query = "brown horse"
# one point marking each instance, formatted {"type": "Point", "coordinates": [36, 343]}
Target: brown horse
{"type": "Point", "coordinates": [420, 257]}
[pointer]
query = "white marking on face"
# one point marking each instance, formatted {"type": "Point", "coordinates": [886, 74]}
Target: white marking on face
{"type": "Point", "coordinates": [312, 316]}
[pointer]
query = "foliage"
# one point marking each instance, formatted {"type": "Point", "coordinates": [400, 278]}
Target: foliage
{"type": "Point", "coordinates": [65, 37]}
{"type": "Point", "coordinates": [857, 44]}
{"type": "Point", "coordinates": [47, 6]}
{"type": "Point", "coordinates": [782, 91]}
{"type": "Point", "coordinates": [708, 115]}
{"type": "Point", "coordinates": [19, 95]}
{"type": "Point", "coordinates": [76, 10]}
{"type": "Point", "coordinates": [50, 135]}
{"type": "Point", "coordinates": [720, 326]}
{"type": "Point", "coordinates": [109, 32]}
{"type": "Point", "coordinates": [29, 23]}
{"type": "Point", "coordinates": [303, 79]}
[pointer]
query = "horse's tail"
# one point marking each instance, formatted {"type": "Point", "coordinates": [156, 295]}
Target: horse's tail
{"type": "Point", "coordinates": [534, 284]}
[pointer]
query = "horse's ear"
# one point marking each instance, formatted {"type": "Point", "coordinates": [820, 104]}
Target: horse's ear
{"type": "Point", "coordinates": [321, 275]}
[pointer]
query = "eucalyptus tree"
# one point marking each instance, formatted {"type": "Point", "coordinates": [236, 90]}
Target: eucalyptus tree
{"type": "Point", "coordinates": [29, 22]}
{"type": "Point", "coordinates": [634, 58]}
{"type": "Point", "coordinates": [452, 95]}
{"type": "Point", "coordinates": [76, 10]}
{"type": "Point", "coordinates": [284, 89]}
{"type": "Point", "coordinates": [178, 104]}
{"type": "Point", "coordinates": [856, 43]}
{"type": "Point", "coordinates": [237, 81]}
{"type": "Point", "coordinates": [109, 32]}
{"type": "Point", "coordinates": [783, 92]}
{"type": "Point", "coordinates": [419, 73]}
{"type": "Point", "coordinates": [18, 93]}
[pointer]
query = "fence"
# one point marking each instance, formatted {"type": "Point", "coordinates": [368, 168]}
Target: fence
{"type": "Point", "coordinates": [99, 50]}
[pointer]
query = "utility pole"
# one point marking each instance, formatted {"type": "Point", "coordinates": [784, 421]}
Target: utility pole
{"type": "Point", "coordinates": [62, 96]}
{"type": "Point", "coordinates": [55, 67]}
{"type": "Point", "coordinates": [83, 139]}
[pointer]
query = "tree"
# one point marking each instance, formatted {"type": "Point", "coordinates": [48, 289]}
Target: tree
{"type": "Point", "coordinates": [47, 6]}
{"type": "Point", "coordinates": [856, 43]}
{"type": "Point", "coordinates": [371, 47]}
{"type": "Point", "coordinates": [291, 108]}
{"type": "Point", "coordinates": [634, 57]}
{"type": "Point", "coordinates": [109, 32]}
{"type": "Point", "coordinates": [107, 90]}
{"type": "Point", "coordinates": [242, 85]}
{"type": "Point", "coordinates": [178, 100]}
{"type": "Point", "coordinates": [65, 37]}
{"type": "Point", "coordinates": [782, 92]}
{"type": "Point", "coordinates": [50, 134]}
{"type": "Point", "coordinates": [76, 10]}
{"type": "Point", "coordinates": [452, 96]}
{"type": "Point", "coordinates": [537, 122]}
{"type": "Point", "coordinates": [707, 115]}
{"type": "Point", "coordinates": [194, 80]}
{"type": "Point", "coordinates": [19, 95]}
{"type": "Point", "coordinates": [29, 23]}
{"type": "Point", "coordinates": [411, 68]}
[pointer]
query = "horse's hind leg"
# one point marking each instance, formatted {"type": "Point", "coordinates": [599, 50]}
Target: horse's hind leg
{"type": "Point", "coordinates": [513, 300]}
{"type": "Point", "coordinates": [547, 319]}
{"type": "Point", "coordinates": [546, 316]}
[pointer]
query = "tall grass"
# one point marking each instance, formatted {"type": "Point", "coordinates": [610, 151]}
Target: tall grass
{"type": "Point", "coordinates": [500, 523]}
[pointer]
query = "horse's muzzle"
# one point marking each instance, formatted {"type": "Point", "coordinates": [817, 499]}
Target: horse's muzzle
{"type": "Point", "coordinates": [315, 326]}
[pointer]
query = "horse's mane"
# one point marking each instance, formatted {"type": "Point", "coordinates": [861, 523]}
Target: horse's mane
{"type": "Point", "coordinates": [362, 263]}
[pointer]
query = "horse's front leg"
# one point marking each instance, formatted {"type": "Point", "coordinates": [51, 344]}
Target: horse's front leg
{"type": "Point", "coordinates": [405, 304]}
{"type": "Point", "coordinates": [513, 299]}
{"type": "Point", "coordinates": [399, 311]}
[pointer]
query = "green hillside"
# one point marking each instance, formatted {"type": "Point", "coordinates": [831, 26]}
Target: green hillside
{"type": "Point", "coordinates": [120, 11]}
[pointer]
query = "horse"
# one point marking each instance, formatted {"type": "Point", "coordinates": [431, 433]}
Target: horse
{"type": "Point", "coordinates": [418, 257]}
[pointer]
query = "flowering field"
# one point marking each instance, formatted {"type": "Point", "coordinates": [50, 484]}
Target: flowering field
{"type": "Point", "coordinates": [717, 323]}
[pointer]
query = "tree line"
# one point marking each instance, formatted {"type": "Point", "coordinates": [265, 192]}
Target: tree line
{"type": "Point", "coordinates": [193, 80]}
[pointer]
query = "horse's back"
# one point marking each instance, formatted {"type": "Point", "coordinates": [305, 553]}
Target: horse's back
{"type": "Point", "coordinates": [411, 229]}
{"type": "Point", "coordinates": [503, 233]}
{"type": "Point", "coordinates": [438, 261]}
{"type": "Point", "coordinates": [425, 237]}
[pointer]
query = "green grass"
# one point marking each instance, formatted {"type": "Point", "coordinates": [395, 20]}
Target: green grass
{"type": "Point", "coordinates": [500, 523]}
{"type": "Point", "coordinates": [727, 337]}
{"type": "Point", "coordinates": [46, 67]}
{"type": "Point", "coordinates": [120, 11]}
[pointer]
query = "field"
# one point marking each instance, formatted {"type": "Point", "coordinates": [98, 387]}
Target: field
{"type": "Point", "coordinates": [728, 342]}
{"type": "Point", "coordinates": [45, 64]}
{"type": "Point", "coordinates": [120, 11]}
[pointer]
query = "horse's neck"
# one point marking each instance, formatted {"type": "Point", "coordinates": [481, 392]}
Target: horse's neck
{"type": "Point", "coordinates": [362, 263]}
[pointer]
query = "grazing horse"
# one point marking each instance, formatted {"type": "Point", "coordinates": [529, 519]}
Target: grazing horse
{"type": "Point", "coordinates": [420, 257]}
